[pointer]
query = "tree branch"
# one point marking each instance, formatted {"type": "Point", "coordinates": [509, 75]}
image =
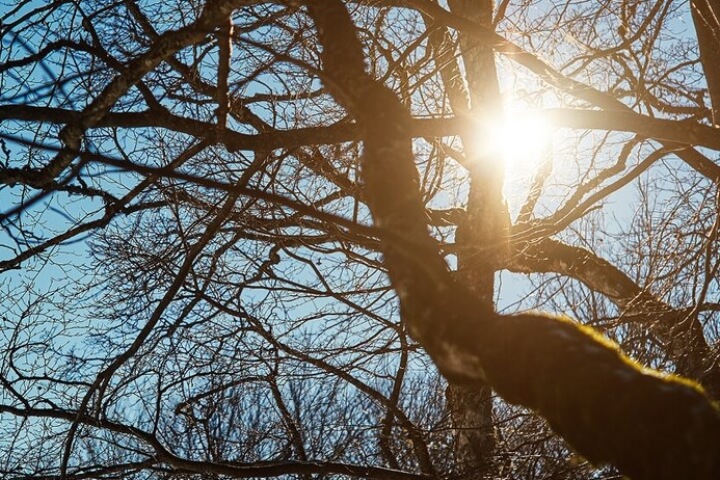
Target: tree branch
{"type": "Point", "coordinates": [648, 425]}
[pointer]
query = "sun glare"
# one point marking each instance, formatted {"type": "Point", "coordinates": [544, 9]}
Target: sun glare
{"type": "Point", "coordinates": [523, 140]}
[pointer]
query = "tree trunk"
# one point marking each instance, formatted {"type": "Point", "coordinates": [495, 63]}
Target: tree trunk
{"type": "Point", "coordinates": [484, 223]}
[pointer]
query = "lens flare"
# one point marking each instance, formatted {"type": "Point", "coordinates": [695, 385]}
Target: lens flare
{"type": "Point", "coordinates": [522, 140]}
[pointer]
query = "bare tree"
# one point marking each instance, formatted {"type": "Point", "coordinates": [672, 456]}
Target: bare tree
{"type": "Point", "coordinates": [256, 239]}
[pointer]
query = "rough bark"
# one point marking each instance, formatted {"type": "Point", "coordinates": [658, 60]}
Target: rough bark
{"type": "Point", "coordinates": [474, 96]}
{"type": "Point", "coordinates": [648, 425]}
{"type": "Point", "coordinates": [679, 329]}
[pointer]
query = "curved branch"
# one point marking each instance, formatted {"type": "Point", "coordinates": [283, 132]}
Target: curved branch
{"type": "Point", "coordinates": [648, 425]}
{"type": "Point", "coordinates": [553, 256]}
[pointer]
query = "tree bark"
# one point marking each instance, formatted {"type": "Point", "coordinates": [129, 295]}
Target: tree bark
{"type": "Point", "coordinates": [611, 410]}
{"type": "Point", "coordinates": [690, 350]}
{"type": "Point", "coordinates": [474, 95]}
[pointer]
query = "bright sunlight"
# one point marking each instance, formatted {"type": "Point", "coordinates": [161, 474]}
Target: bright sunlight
{"type": "Point", "coordinates": [523, 140]}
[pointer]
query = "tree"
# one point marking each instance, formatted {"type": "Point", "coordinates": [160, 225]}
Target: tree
{"type": "Point", "coordinates": [241, 237]}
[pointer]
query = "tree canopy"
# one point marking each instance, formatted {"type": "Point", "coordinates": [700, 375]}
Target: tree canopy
{"type": "Point", "coordinates": [380, 239]}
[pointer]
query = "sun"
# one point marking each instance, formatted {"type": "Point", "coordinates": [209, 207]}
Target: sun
{"type": "Point", "coordinates": [518, 146]}
{"type": "Point", "coordinates": [523, 139]}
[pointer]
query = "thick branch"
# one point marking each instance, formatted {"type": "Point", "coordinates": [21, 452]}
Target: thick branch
{"type": "Point", "coordinates": [233, 141]}
{"type": "Point", "coordinates": [672, 326]}
{"type": "Point", "coordinates": [685, 132]}
{"type": "Point", "coordinates": [474, 93]}
{"type": "Point", "coordinates": [388, 166]}
{"type": "Point", "coordinates": [611, 410]}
